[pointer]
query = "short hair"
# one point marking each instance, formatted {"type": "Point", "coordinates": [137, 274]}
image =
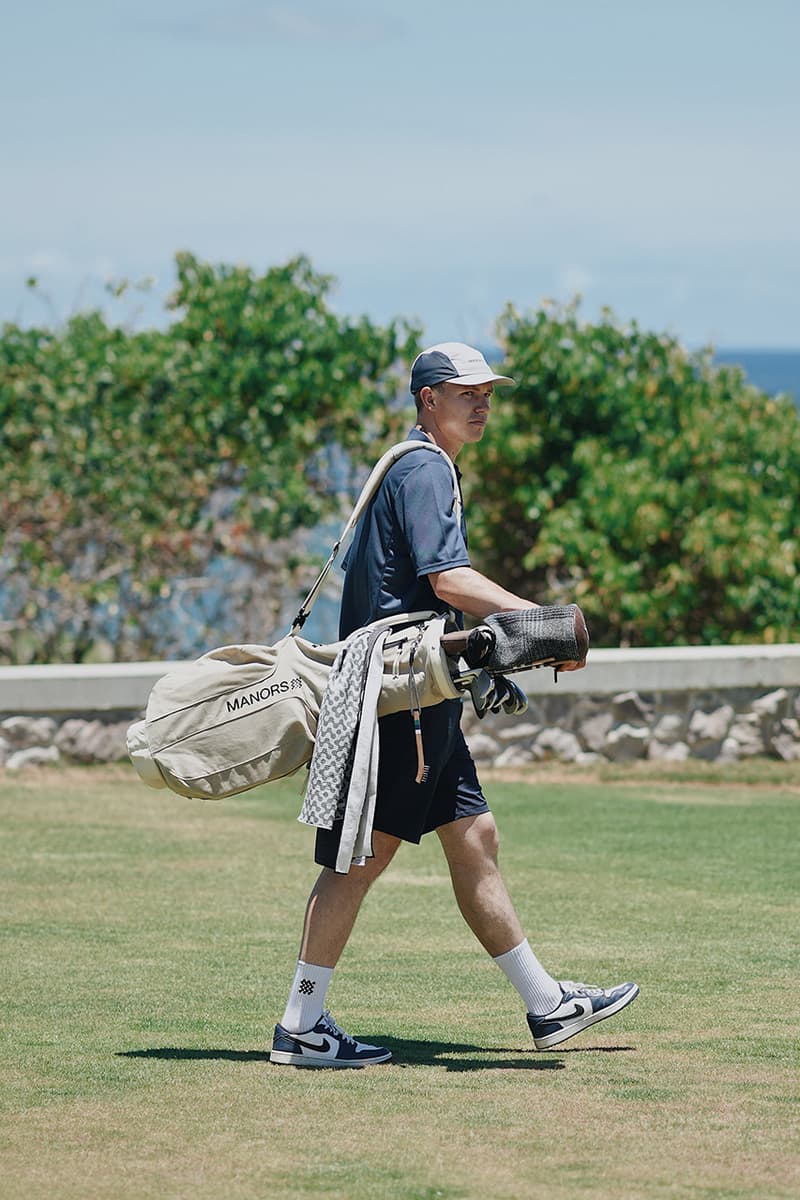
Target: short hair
{"type": "Point", "coordinates": [435, 387]}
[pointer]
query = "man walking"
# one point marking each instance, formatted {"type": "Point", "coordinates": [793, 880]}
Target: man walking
{"type": "Point", "coordinates": [409, 553]}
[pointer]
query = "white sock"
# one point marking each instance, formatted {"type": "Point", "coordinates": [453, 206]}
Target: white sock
{"type": "Point", "coordinates": [539, 990]}
{"type": "Point", "coordinates": [306, 997]}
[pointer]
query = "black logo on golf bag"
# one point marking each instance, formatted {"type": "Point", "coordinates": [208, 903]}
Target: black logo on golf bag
{"type": "Point", "coordinates": [250, 699]}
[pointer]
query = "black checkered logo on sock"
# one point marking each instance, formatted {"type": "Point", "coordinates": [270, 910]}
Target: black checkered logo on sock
{"type": "Point", "coordinates": [306, 987]}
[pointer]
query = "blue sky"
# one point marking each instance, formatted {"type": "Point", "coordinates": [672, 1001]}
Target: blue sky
{"type": "Point", "coordinates": [438, 158]}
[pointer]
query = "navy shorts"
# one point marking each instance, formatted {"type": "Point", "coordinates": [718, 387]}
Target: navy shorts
{"type": "Point", "coordinates": [408, 809]}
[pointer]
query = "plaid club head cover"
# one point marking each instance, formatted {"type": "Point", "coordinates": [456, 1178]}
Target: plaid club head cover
{"type": "Point", "coordinates": [530, 637]}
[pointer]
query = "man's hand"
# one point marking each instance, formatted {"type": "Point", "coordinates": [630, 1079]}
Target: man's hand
{"type": "Point", "coordinates": [580, 632]}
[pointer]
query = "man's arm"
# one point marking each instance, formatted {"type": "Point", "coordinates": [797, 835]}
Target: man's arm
{"type": "Point", "coordinates": [470, 592]}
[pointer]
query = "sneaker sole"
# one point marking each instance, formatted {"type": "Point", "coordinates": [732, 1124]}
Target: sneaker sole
{"type": "Point", "coordinates": [572, 1027]}
{"type": "Point", "coordinates": [285, 1058]}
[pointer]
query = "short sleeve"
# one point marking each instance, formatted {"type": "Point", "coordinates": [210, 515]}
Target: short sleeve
{"type": "Point", "coordinates": [424, 511]}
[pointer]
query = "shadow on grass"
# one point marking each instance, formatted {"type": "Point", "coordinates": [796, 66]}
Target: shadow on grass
{"type": "Point", "coordinates": [463, 1056]}
{"type": "Point", "coordinates": [597, 1049]}
{"type": "Point", "coordinates": [406, 1052]}
{"type": "Point", "coordinates": [190, 1053]}
{"type": "Point", "coordinates": [455, 1056]}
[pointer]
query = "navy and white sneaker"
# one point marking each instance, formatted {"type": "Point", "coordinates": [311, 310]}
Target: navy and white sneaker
{"type": "Point", "coordinates": [580, 1007]}
{"type": "Point", "coordinates": [326, 1045]}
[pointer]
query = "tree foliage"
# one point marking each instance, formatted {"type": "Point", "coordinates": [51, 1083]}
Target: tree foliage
{"type": "Point", "coordinates": [159, 485]}
{"type": "Point", "coordinates": [659, 492]}
{"type": "Point", "coordinates": [132, 459]}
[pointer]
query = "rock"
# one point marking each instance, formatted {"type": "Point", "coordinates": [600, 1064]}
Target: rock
{"type": "Point", "coordinates": [708, 730]}
{"type": "Point", "coordinates": [557, 743]}
{"type": "Point", "coordinates": [469, 722]}
{"type": "Point", "coordinates": [92, 741]}
{"type": "Point", "coordinates": [112, 745]}
{"type": "Point", "coordinates": [669, 729]}
{"type": "Point", "coordinates": [746, 733]}
{"type": "Point", "coordinates": [515, 756]}
{"type": "Point", "coordinates": [625, 742]}
{"type": "Point", "coordinates": [786, 742]}
{"type": "Point", "coordinates": [22, 732]}
{"type": "Point", "coordinates": [483, 748]}
{"type": "Point", "coordinates": [588, 758]}
{"type": "Point", "coordinates": [587, 706]}
{"type": "Point", "coordinates": [5, 750]}
{"type": "Point", "coordinates": [33, 756]}
{"type": "Point", "coordinates": [593, 731]}
{"type": "Point", "coordinates": [769, 705]}
{"type": "Point", "coordinates": [534, 714]}
{"type": "Point", "coordinates": [729, 751]}
{"type": "Point", "coordinates": [69, 735]}
{"type": "Point", "coordinates": [522, 732]}
{"type": "Point", "coordinates": [628, 707]}
{"type": "Point", "coordinates": [710, 726]}
{"type": "Point", "coordinates": [667, 752]}
{"type": "Point", "coordinates": [786, 747]}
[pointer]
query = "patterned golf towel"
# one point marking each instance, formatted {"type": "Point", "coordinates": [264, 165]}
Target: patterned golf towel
{"type": "Point", "coordinates": [342, 779]}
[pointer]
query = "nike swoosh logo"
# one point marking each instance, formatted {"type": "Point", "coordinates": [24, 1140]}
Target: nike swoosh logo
{"type": "Point", "coordinates": [578, 1010]}
{"type": "Point", "coordinates": [323, 1047]}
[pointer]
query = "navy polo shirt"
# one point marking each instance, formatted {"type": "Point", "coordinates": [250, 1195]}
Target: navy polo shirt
{"type": "Point", "coordinates": [408, 532]}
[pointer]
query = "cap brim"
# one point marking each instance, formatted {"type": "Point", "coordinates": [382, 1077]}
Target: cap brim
{"type": "Point", "coordinates": [480, 377]}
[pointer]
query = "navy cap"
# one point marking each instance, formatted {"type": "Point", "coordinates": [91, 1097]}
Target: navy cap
{"type": "Point", "coordinates": [452, 362]}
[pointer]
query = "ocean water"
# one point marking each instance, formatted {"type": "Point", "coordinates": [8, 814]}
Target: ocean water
{"type": "Point", "coordinates": [771, 370]}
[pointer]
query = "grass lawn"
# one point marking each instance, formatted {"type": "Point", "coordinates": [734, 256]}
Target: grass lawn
{"type": "Point", "coordinates": [148, 942]}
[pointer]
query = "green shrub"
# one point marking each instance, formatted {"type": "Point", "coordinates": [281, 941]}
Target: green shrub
{"type": "Point", "coordinates": [659, 492]}
{"type": "Point", "coordinates": [132, 459]}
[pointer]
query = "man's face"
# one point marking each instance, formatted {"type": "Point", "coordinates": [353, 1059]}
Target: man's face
{"type": "Point", "coordinates": [462, 411]}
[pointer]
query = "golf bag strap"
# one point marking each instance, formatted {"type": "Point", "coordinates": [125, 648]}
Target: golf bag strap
{"type": "Point", "coordinates": [369, 489]}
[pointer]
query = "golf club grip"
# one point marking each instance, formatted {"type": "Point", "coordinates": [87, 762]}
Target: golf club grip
{"type": "Point", "coordinates": [454, 644]}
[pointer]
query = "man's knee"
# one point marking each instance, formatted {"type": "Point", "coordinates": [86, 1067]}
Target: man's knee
{"type": "Point", "coordinates": [471, 840]}
{"type": "Point", "coordinates": [384, 847]}
{"type": "Point", "coordinates": [487, 837]}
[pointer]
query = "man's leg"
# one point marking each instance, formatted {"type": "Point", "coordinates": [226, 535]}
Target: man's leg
{"type": "Point", "coordinates": [470, 845]}
{"type": "Point", "coordinates": [331, 912]}
{"type": "Point", "coordinates": [335, 900]}
{"type": "Point", "coordinates": [556, 1010]}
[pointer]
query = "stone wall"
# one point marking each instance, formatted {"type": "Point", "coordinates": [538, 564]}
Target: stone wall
{"type": "Point", "coordinates": [31, 740]}
{"type": "Point", "coordinates": [712, 702]}
{"type": "Point", "coordinates": [721, 725]}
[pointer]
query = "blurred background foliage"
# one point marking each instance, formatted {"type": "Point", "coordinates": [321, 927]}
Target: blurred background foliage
{"type": "Point", "coordinates": [163, 489]}
{"type": "Point", "coordinates": [155, 482]}
{"type": "Point", "coordinates": [658, 491]}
